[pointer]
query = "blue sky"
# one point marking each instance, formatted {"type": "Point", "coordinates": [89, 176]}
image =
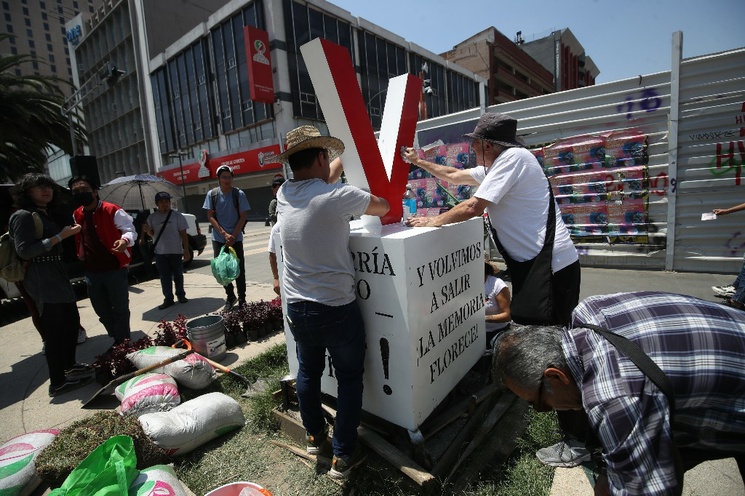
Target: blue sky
{"type": "Point", "coordinates": [624, 39]}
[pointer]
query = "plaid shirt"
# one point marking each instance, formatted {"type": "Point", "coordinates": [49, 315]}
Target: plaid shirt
{"type": "Point", "coordinates": [699, 345]}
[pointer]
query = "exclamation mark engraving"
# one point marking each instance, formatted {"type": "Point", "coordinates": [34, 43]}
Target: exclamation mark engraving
{"type": "Point", "coordinates": [385, 354]}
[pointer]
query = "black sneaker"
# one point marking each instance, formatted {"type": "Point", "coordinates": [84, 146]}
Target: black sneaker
{"type": "Point", "coordinates": [68, 385]}
{"type": "Point", "coordinates": [229, 303]}
{"type": "Point", "coordinates": [183, 299]}
{"type": "Point", "coordinates": [314, 443]}
{"type": "Point", "coordinates": [80, 370]}
{"type": "Point", "coordinates": [340, 467]}
{"type": "Point", "coordinates": [242, 301]}
{"type": "Point", "coordinates": [165, 304]}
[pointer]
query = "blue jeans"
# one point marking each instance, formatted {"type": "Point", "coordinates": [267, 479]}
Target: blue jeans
{"type": "Point", "coordinates": [109, 294]}
{"type": "Point", "coordinates": [171, 268]}
{"type": "Point", "coordinates": [340, 330]}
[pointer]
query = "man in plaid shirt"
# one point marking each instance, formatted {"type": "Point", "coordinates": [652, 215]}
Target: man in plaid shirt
{"type": "Point", "coordinates": [699, 345]}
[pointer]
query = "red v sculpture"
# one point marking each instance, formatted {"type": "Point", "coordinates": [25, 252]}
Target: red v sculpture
{"type": "Point", "coordinates": [370, 165]}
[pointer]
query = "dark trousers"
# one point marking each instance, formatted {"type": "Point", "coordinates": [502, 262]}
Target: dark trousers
{"type": "Point", "coordinates": [171, 270]}
{"type": "Point", "coordinates": [565, 284]}
{"type": "Point", "coordinates": [60, 335]}
{"type": "Point", "coordinates": [340, 330]}
{"type": "Point", "coordinates": [109, 295]}
{"type": "Point", "coordinates": [240, 282]}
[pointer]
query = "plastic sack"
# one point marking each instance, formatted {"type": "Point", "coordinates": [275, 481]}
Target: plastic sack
{"type": "Point", "coordinates": [17, 468]}
{"type": "Point", "coordinates": [225, 266]}
{"type": "Point", "coordinates": [108, 470]}
{"type": "Point", "coordinates": [158, 479]}
{"type": "Point", "coordinates": [240, 489]}
{"type": "Point", "coordinates": [193, 423]}
{"type": "Point", "coordinates": [147, 393]}
{"type": "Point", "coordinates": [193, 372]}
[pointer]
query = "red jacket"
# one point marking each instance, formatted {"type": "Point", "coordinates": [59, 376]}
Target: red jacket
{"type": "Point", "coordinates": [103, 219]}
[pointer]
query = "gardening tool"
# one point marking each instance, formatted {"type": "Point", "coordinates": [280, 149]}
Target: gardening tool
{"type": "Point", "coordinates": [222, 368]}
{"type": "Point", "coordinates": [109, 388]}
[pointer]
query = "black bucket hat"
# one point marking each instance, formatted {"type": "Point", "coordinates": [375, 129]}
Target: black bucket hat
{"type": "Point", "coordinates": [496, 128]}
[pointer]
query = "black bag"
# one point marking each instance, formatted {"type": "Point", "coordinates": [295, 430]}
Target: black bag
{"type": "Point", "coordinates": [160, 233]}
{"type": "Point", "coordinates": [532, 288]}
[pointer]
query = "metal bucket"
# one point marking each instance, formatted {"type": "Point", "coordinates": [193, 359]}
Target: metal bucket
{"type": "Point", "coordinates": [207, 336]}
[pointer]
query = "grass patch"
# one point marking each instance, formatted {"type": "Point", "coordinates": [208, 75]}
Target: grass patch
{"type": "Point", "coordinates": [76, 442]}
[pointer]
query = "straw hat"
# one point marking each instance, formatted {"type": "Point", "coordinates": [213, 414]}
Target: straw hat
{"type": "Point", "coordinates": [305, 137]}
{"type": "Point", "coordinates": [497, 128]}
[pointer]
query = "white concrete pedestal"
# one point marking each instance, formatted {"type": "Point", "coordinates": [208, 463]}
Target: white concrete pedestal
{"type": "Point", "coordinates": [421, 294]}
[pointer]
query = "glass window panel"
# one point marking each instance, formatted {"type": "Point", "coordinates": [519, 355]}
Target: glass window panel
{"type": "Point", "coordinates": [315, 19]}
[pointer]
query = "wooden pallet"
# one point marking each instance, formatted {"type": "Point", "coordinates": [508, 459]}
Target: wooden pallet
{"type": "Point", "coordinates": [488, 421]}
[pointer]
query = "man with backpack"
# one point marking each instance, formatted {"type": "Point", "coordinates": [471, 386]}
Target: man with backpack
{"type": "Point", "coordinates": [227, 208]}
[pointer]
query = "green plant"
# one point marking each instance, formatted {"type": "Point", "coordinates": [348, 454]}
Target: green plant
{"type": "Point", "coordinates": [115, 363]}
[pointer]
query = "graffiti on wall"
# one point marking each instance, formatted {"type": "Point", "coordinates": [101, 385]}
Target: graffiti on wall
{"type": "Point", "coordinates": [725, 161]}
{"type": "Point", "coordinates": [646, 100]}
{"type": "Point", "coordinates": [600, 181]}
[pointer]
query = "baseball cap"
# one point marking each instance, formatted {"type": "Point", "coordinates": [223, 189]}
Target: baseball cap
{"type": "Point", "coordinates": [162, 195]}
{"type": "Point", "coordinates": [223, 168]}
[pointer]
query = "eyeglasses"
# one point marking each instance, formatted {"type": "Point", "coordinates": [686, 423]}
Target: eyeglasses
{"type": "Point", "coordinates": [42, 186]}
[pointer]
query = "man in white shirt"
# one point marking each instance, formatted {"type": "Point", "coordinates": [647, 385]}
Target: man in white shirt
{"type": "Point", "coordinates": [515, 192]}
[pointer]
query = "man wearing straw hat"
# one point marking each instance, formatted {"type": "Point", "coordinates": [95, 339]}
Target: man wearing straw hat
{"type": "Point", "coordinates": [318, 286]}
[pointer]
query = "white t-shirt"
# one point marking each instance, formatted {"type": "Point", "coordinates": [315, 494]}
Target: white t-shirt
{"type": "Point", "coordinates": [315, 240]}
{"type": "Point", "coordinates": [517, 192]}
{"type": "Point", "coordinates": [492, 287]}
{"type": "Point", "coordinates": [275, 230]}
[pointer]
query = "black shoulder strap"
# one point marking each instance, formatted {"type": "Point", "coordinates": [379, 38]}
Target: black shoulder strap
{"type": "Point", "coordinates": [162, 228]}
{"type": "Point", "coordinates": [641, 360]}
{"type": "Point", "coordinates": [236, 201]}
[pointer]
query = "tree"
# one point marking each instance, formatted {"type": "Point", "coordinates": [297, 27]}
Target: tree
{"type": "Point", "coordinates": [31, 118]}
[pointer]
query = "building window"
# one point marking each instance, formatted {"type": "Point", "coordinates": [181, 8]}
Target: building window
{"type": "Point", "coordinates": [7, 17]}
{"type": "Point", "coordinates": [46, 26]}
{"type": "Point", "coordinates": [302, 24]}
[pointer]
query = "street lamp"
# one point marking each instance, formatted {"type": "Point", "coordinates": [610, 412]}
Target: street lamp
{"type": "Point", "coordinates": [178, 155]}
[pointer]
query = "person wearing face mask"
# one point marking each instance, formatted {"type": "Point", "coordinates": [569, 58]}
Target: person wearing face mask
{"type": "Point", "coordinates": [46, 280]}
{"type": "Point", "coordinates": [105, 245]}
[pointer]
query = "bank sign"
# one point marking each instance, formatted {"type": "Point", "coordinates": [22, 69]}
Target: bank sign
{"type": "Point", "coordinates": [241, 163]}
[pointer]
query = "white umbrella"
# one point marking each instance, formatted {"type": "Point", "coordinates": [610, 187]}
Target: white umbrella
{"type": "Point", "coordinates": [137, 192]}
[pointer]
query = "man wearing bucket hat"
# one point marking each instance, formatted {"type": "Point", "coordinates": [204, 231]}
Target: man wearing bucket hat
{"type": "Point", "coordinates": [171, 243]}
{"type": "Point", "coordinates": [318, 285]}
{"type": "Point", "coordinates": [516, 194]}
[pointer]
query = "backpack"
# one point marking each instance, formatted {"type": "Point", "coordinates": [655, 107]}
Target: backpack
{"type": "Point", "coordinates": [236, 202]}
{"type": "Point", "coordinates": [13, 267]}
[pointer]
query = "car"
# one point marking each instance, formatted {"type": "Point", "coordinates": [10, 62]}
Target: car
{"type": "Point", "coordinates": [197, 240]}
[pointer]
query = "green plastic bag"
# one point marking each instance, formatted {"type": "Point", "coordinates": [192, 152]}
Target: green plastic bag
{"type": "Point", "coordinates": [225, 267]}
{"type": "Point", "coordinates": [108, 471]}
